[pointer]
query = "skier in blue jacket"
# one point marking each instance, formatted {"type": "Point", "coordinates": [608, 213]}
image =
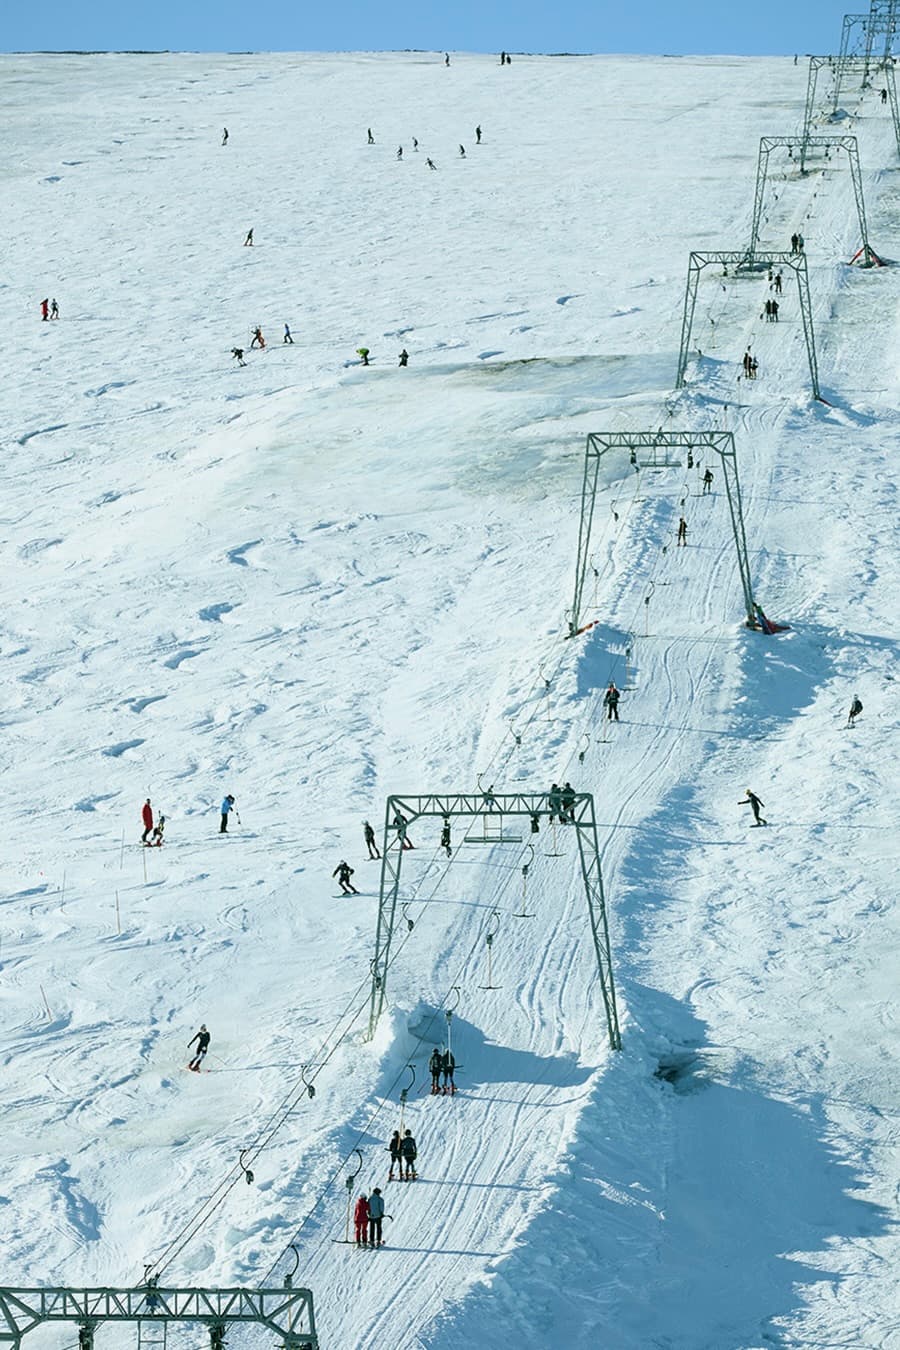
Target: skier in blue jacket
{"type": "Point", "coordinates": [376, 1214]}
{"type": "Point", "coordinates": [227, 807]}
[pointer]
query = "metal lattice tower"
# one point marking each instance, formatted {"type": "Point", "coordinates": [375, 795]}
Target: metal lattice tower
{"type": "Point", "coordinates": [882, 20]}
{"type": "Point", "coordinates": [633, 443]}
{"type": "Point", "coordinates": [817, 63]}
{"type": "Point", "coordinates": [493, 807]}
{"type": "Point", "coordinates": [288, 1313]}
{"type": "Point", "coordinates": [796, 262]}
{"type": "Point", "coordinates": [804, 144]}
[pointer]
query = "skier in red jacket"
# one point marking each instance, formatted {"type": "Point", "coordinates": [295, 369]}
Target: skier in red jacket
{"type": "Point", "coordinates": [147, 818]}
{"type": "Point", "coordinates": [361, 1221]}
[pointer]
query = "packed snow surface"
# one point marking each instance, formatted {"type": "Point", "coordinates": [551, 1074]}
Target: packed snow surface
{"type": "Point", "coordinates": [313, 584]}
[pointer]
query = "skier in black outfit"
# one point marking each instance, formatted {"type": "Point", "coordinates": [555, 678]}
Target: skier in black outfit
{"type": "Point", "coordinates": [224, 135]}
{"type": "Point", "coordinates": [707, 482]}
{"type": "Point", "coordinates": [396, 1156]}
{"type": "Point", "coordinates": [344, 872]}
{"type": "Point", "coordinates": [369, 835]}
{"type": "Point", "coordinates": [435, 1064]}
{"type": "Point", "coordinates": [238, 354]}
{"type": "Point", "coordinates": [567, 802]}
{"type": "Point", "coordinates": [448, 1067]}
{"type": "Point", "coordinates": [611, 703]}
{"type": "Point", "coordinates": [554, 801]}
{"type": "Point", "coordinates": [754, 802]}
{"type": "Point", "coordinates": [478, 135]}
{"type": "Point", "coordinates": [445, 839]}
{"type": "Point", "coordinates": [409, 1153]}
{"type": "Point", "coordinates": [855, 710]}
{"type": "Point", "coordinates": [404, 357]}
{"type": "Point", "coordinates": [399, 823]}
{"type": "Point", "coordinates": [202, 1038]}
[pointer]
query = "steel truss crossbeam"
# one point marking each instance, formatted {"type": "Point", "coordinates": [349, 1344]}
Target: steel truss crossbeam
{"type": "Point", "coordinates": [496, 805]}
{"type": "Point", "coordinates": [795, 261]}
{"type": "Point", "coordinates": [849, 63]}
{"type": "Point", "coordinates": [600, 443]}
{"type": "Point", "coordinates": [804, 144]}
{"type": "Point", "coordinates": [286, 1312]}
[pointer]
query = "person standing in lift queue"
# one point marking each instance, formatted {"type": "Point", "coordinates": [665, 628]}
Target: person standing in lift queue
{"type": "Point", "coordinates": [396, 1156]}
{"type": "Point", "coordinates": [361, 1220]}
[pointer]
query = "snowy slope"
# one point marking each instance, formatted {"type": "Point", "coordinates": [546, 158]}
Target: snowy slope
{"type": "Point", "coordinates": [312, 584]}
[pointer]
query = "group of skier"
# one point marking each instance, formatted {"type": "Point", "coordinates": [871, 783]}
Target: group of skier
{"type": "Point", "coordinates": [49, 310]}
{"type": "Point", "coordinates": [442, 1063]}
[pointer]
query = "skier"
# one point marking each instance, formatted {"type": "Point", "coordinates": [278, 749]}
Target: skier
{"type": "Point", "coordinates": [681, 541]}
{"type": "Point", "coordinates": [287, 334]}
{"type": "Point", "coordinates": [855, 710]}
{"type": "Point", "coordinates": [801, 242]}
{"type": "Point", "coordinates": [554, 801]}
{"type": "Point", "coordinates": [238, 354]}
{"type": "Point", "coordinates": [884, 96]}
{"type": "Point", "coordinates": [415, 144]}
{"type": "Point", "coordinates": [248, 242]}
{"type": "Point", "coordinates": [226, 808]}
{"type": "Point", "coordinates": [156, 838]}
{"type": "Point", "coordinates": [404, 357]}
{"type": "Point", "coordinates": [371, 137]}
{"type": "Point", "coordinates": [361, 1220]}
{"type": "Point", "coordinates": [773, 311]}
{"type": "Point", "coordinates": [258, 339]}
{"type": "Point", "coordinates": [754, 367]}
{"type": "Point", "coordinates": [768, 311]}
{"type": "Point", "coordinates": [567, 802]}
{"type": "Point", "coordinates": [707, 482]}
{"type": "Point", "coordinates": [747, 364]}
{"type": "Point", "coordinates": [202, 1038]}
{"type": "Point", "coordinates": [344, 872]}
{"type": "Point", "coordinates": [396, 1156]}
{"type": "Point", "coordinates": [399, 824]}
{"type": "Point", "coordinates": [363, 354]}
{"type": "Point", "coordinates": [794, 238]}
{"type": "Point", "coordinates": [435, 1064]}
{"type": "Point", "coordinates": [446, 58]}
{"type": "Point", "coordinates": [399, 152]}
{"type": "Point", "coordinates": [409, 1153]}
{"type": "Point", "coordinates": [147, 818]}
{"type": "Point", "coordinates": [478, 135]}
{"type": "Point", "coordinates": [445, 838]}
{"type": "Point", "coordinates": [369, 835]}
{"type": "Point", "coordinates": [611, 702]}
{"type": "Point", "coordinates": [45, 310]}
{"type": "Point", "coordinates": [54, 310]}
{"type": "Point", "coordinates": [431, 164]}
{"type": "Point", "coordinates": [690, 459]}
{"type": "Point", "coordinates": [754, 802]}
{"type": "Point", "coordinates": [462, 152]}
{"type": "Point", "coordinates": [448, 1067]}
{"type": "Point", "coordinates": [777, 283]}
{"type": "Point", "coordinates": [376, 1214]}
{"type": "Point", "coordinates": [224, 135]}
{"type": "Point", "coordinates": [503, 58]}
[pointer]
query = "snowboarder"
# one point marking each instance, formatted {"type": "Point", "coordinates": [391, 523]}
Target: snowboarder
{"type": "Point", "coordinates": [681, 541]}
{"type": "Point", "coordinates": [567, 802]}
{"type": "Point", "coordinates": [376, 1214]}
{"type": "Point", "coordinates": [399, 824]}
{"type": "Point", "coordinates": [224, 135]}
{"type": "Point", "coordinates": [45, 310]}
{"type": "Point", "coordinates": [147, 818]}
{"type": "Point", "coordinates": [707, 482]}
{"type": "Point", "coordinates": [462, 152]}
{"type": "Point", "coordinates": [435, 1064]}
{"type": "Point", "coordinates": [404, 357]}
{"type": "Point", "coordinates": [361, 1220]}
{"type": "Point", "coordinates": [258, 339]}
{"type": "Point", "coordinates": [448, 1068]}
{"type": "Point", "coordinates": [238, 354]}
{"type": "Point", "coordinates": [855, 710]}
{"type": "Point", "coordinates": [248, 242]}
{"type": "Point", "coordinates": [54, 310]}
{"type": "Point", "coordinates": [202, 1038]}
{"type": "Point", "coordinates": [369, 835]}
{"type": "Point", "coordinates": [611, 702]}
{"type": "Point", "coordinates": [226, 808]}
{"type": "Point", "coordinates": [754, 803]}
{"type": "Point", "coordinates": [396, 1156]}
{"type": "Point", "coordinates": [156, 838]}
{"type": "Point", "coordinates": [371, 137]}
{"type": "Point", "coordinates": [431, 164]}
{"type": "Point", "coordinates": [287, 334]}
{"type": "Point", "coordinates": [344, 872]}
{"type": "Point", "coordinates": [363, 354]}
{"type": "Point", "coordinates": [445, 838]}
{"type": "Point", "coordinates": [409, 1153]}
{"type": "Point", "coordinates": [478, 135]}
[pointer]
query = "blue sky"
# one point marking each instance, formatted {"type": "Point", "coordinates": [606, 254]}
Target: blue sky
{"type": "Point", "coordinates": [701, 26]}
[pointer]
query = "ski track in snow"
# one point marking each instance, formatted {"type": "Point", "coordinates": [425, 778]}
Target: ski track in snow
{"type": "Point", "coordinates": [313, 585]}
